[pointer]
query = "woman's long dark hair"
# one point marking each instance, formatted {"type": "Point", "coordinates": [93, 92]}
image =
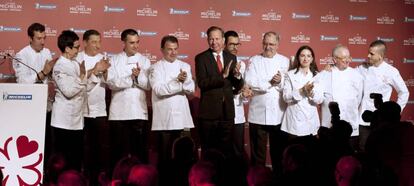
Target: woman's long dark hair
{"type": "Point", "coordinates": [296, 63]}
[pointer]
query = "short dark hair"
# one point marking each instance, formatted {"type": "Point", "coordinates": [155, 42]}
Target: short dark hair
{"type": "Point", "coordinates": [381, 44]}
{"type": "Point", "coordinates": [214, 28]}
{"type": "Point", "coordinates": [169, 38]}
{"type": "Point", "coordinates": [127, 32]}
{"type": "Point", "coordinates": [35, 27]}
{"type": "Point", "coordinates": [67, 39]}
{"type": "Point", "coordinates": [88, 33]}
{"type": "Point", "coordinates": [230, 33]}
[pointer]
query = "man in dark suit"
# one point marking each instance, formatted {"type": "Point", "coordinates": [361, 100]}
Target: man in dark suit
{"type": "Point", "coordinates": [218, 76]}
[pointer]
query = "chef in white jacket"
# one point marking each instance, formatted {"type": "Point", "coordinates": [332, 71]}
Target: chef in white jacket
{"type": "Point", "coordinates": [68, 108]}
{"type": "Point", "coordinates": [38, 57]}
{"type": "Point", "coordinates": [379, 77]}
{"type": "Point", "coordinates": [128, 113]}
{"type": "Point", "coordinates": [265, 76]}
{"type": "Point", "coordinates": [301, 117]}
{"type": "Point", "coordinates": [171, 82]}
{"type": "Point", "coordinates": [342, 84]}
{"type": "Point", "coordinates": [96, 125]}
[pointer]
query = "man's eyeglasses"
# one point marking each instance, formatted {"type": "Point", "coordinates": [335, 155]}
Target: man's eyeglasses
{"type": "Point", "coordinates": [348, 58]}
{"type": "Point", "coordinates": [234, 44]}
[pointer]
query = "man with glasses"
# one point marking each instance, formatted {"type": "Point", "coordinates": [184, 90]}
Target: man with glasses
{"type": "Point", "coordinates": [342, 84]}
{"type": "Point", "coordinates": [265, 76]}
{"type": "Point", "coordinates": [70, 101]}
{"type": "Point", "coordinates": [232, 44]}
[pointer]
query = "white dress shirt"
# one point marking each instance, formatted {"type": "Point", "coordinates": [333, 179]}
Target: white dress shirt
{"type": "Point", "coordinates": [171, 110]}
{"type": "Point", "coordinates": [128, 97]}
{"type": "Point", "coordinates": [239, 117]}
{"type": "Point", "coordinates": [345, 88]}
{"type": "Point", "coordinates": [301, 117]}
{"type": "Point", "coordinates": [69, 105]}
{"type": "Point", "coordinates": [96, 106]}
{"type": "Point", "coordinates": [267, 106]}
{"type": "Point", "coordinates": [382, 80]}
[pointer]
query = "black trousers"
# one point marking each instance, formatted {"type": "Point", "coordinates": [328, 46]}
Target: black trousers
{"type": "Point", "coordinates": [364, 132]}
{"type": "Point", "coordinates": [165, 141]}
{"type": "Point", "coordinates": [215, 134]}
{"type": "Point", "coordinates": [97, 147]}
{"type": "Point", "coordinates": [238, 140]}
{"type": "Point", "coordinates": [69, 143]}
{"type": "Point", "coordinates": [278, 141]}
{"type": "Point", "coordinates": [129, 137]}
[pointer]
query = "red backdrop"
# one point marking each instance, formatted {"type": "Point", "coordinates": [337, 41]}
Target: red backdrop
{"type": "Point", "coordinates": [319, 23]}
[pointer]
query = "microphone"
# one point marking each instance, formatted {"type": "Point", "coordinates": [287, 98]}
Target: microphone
{"type": "Point", "coordinates": [31, 68]}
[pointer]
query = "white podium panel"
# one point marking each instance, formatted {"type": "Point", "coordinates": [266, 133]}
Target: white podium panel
{"type": "Point", "coordinates": [22, 133]}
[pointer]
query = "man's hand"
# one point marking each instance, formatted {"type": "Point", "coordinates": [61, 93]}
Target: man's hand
{"type": "Point", "coordinates": [276, 79]}
{"type": "Point", "coordinates": [236, 70]}
{"type": "Point", "coordinates": [246, 92]}
{"type": "Point", "coordinates": [182, 76]}
{"type": "Point", "coordinates": [135, 72]}
{"type": "Point", "coordinates": [49, 66]}
{"type": "Point", "coordinates": [226, 71]}
{"type": "Point", "coordinates": [82, 70]}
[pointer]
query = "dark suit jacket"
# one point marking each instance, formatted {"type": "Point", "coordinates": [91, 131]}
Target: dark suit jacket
{"type": "Point", "coordinates": [216, 102]}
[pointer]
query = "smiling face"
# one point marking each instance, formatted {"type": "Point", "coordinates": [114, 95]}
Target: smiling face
{"type": "Point", "coordinates": [93, 45]}
{"type": "Point", "coordinates": [305, 58]}
{"type": "Point", "coordinates": [270, 45]}
{"type": "Point", "coordinates": [131, 44]}
{"type": "Point", "coordinates": [342, 58]}
{"type": "Point", "coordinates": [170, 51]}
{"type": "Point", "coordinates": [216, 41]}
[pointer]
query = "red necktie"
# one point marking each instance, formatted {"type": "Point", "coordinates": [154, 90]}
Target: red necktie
{"type": "Point", "coordinates": [218, 60]}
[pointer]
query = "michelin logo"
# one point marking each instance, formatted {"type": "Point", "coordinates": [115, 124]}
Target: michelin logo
{"type": "Point", "coordinates": [357, 18]}
{"type": "Point", "coordinates": [408, 19]}
{"type": "Point", "coordinates": [180, 12]}
{"type": "Point", "coordinates": [240, 14]}
{"type": "Point", "coordinates": [300, 16]}
{"type": "Point", "coordinates": [7, 96]}
{"type": "Point", "coordinates": [329, 38]}
{"type": "Point", "coordinates": [113, 9]}
{"type": "Point", "coordinates": [9, 29]}
{"type": "Point", "coordinates": [45, 6]}
{"type": "Point", "coordinates": [145, 33]}
{"type": "Point", "coordinates": [387, 40]}
{"type": "Point", "coordinates": [182, 56]}
{"type": "Point", "coordinates": [359, 60]}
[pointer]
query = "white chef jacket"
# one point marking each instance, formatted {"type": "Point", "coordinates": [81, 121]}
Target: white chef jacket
{"type": "Point", "coordinates": [171, 110]}
{"type": "Point", "coordinates": [301, 117]}
{"type": "Point", "coordinates": [96, 106]}
{"type": "Point", "coordinates": [267, 106]}
{"type": "Point", "coordinates": [381, 80]}
{"type": "Point", "coordinates": [345, 88]}
{"type": "Point", "coordinates": [69, 105]}
{"type": "Point", "coordinates": [239, 117]}
{"type": "Point", "coordinates": [128, 98]}
{"type": "Point", "coordinates": [37, 61]}
{"type": "Point", "coordinates": [30, 57]}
